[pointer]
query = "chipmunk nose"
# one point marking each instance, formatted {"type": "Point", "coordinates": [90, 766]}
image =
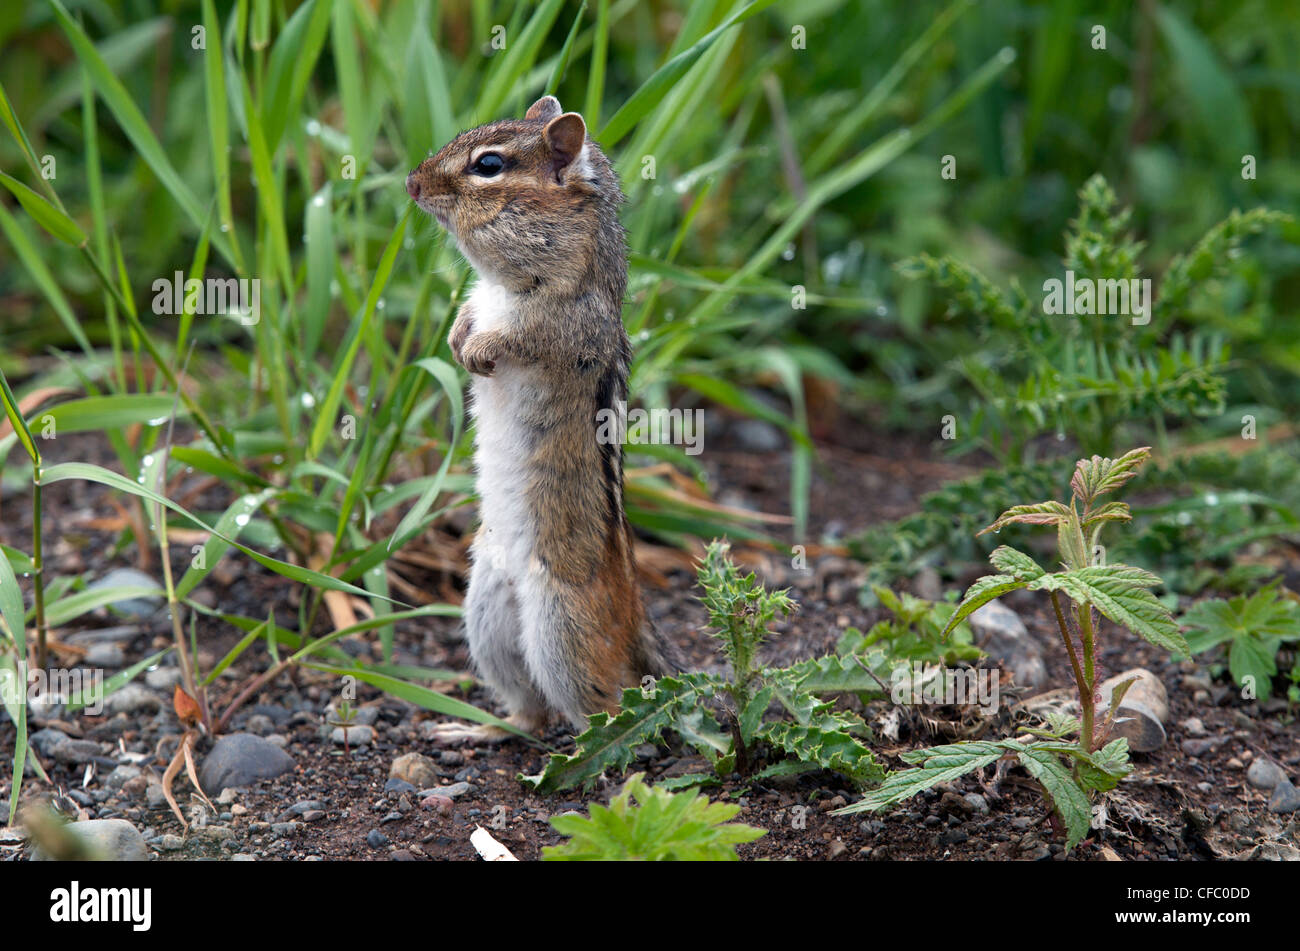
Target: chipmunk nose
{"type": "Point", "coordinates": [412, 186]}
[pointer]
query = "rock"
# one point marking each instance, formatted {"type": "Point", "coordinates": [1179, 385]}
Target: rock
{"type": "Point", "coordinates": [360, 735]}
{"type": "Point", "coordinates": [260, 725]}
{"type": "Point", "coordinates": [105, 655]}
{"type": "Point", "coordinates": [129, 578]}
{"type": "Point", "coordinates": [454, 791]}
{"type": "Point", "coordinates": [756, 435]}
{"type": "Point", "coordinates": [164, 679]}
{"type": "Point", "coordinates": [999, 630]}
{"type": "Point", "coordinates": [306, 805]}
{"type": "Point", "coordinates": [241, 759]}
{"type": "Point", "coordinates": [154, 796]}
{"type": "Point", "coordinates": [376, 839]}
{"type": "Point", "coordinates": [414, 768]}
{"type": "Point", "coordinates": [978, 803]}
{"type": "Point", "coordinates": [1286, 798]}
{"type": "Point", "coordinates": [130, 699]}
{"type": "Point", "coordinates": [170, 842]}
{"type": "Point", "coordinates": [1201, 747]}
{"type": "Point", "coordinates": [1193, 726]}
{"type": "Point", "coordinates": [1265, 774]}
{"type": "Point", "coordinates": [47, 740]}
{"type": "Point", "coordinates": [396, 787]}
{"type": "Point", "coordinates": [111, 840]}
{"type": "Point", "coordinates": [76, 752]}
{"type": "Point", "coordinates": [837, 849]}
{"type": "Point", "coordinates": [1143, 711]}
{"type": "Point", "coordinates": [121, 776]}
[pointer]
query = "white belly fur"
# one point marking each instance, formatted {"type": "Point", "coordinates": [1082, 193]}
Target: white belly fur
{"type": "Point", "coordinates": [506, 536]}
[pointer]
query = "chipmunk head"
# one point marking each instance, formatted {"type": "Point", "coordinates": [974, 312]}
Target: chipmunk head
{"type": "Point", "coordinates": [530, 201]}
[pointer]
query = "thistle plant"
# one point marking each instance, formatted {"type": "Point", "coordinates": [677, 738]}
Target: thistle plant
{"type": "Point", "coordinates": [1069, 772]}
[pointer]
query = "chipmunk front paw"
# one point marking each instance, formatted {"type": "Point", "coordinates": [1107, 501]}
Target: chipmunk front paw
{"type": "Point", "coordinates": [479, 354]}
{"type": "Point", "coordinates": [461, 328]}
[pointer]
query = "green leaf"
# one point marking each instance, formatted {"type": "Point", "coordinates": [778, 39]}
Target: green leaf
{"type": "Point", "coordinates": [1015, 563]}
{"type": "Point", "coordinates": [663, 826]}
{"type": "Point", "coordinates": [1070, 801]}
{"type": "Point", "coordinates": [1039, 513]}
{"type": "Point", "coordinates": [92, 473]}
{"type": "Point", "coordinates": [133, 122]}
{"type": "Point", "coordinates": [1097, 476]}
{"type": "Point", "coordinates": [52, 219]}
{"type": "Point", "coordinates": [938, 764]}
{"type": "Point", "coordinates": [980, 593]}
{"type": "Point", "coordinates": [654, 89]}
{"type": "Point", "coordinates": [609, 743]}
{"type": "Point", "coordinates": [1120, 593]}
{"type": "Point", "coordinates": [422, 697]}
{"type": "Point", "coordinates": [16, 420]}
{"type": "Point", "coordinates": [449, 379]}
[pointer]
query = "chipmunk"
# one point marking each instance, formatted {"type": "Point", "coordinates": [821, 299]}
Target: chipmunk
{"type": "Point", "coordinates": [553, 614]}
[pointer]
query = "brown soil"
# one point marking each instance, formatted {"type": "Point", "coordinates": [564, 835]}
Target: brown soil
{"type": "Point", "coordinates": [1175, 805]}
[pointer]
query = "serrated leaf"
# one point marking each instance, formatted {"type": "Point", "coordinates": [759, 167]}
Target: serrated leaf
{"type": "Point", "coordinates": [1039, 513]}
{"type": "Point", "coordinates": [1098, 475]}
{"type": "Point", "coordinates": [1119, 592]}
{"type": "Point", "coordinates": [939, 764]}
{"type": "Point", "coordinates": [1015, 563]}
{"type": "Point", "coordinates": [1069, 800]}
{"type": "Point", "coordinates": [979, 594]}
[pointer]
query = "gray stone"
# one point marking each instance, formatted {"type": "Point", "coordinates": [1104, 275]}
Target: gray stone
{"type": "Point", "coordinates": [757, 435]}
{"type": "Point", "coordinates": [1265, 774]}
{"type": "Point", "coordinates": [999, 630]}
{"type": "Point", "coordinates": [130, 578]}
{"type": "Point", "coordinates": [241, 759]}
{"type": "Point", "coordinates": [105, 655]}
{"type": "Point", "coordinates": [112, 840]}
{"type": "Point", "coordinates": [164, 678]}
{"type": "Point", "coordinates": [132, 698]}
{"type": "Point", "coordinates": [1286, 798]}
{"type": "Point", "coordinates": [396, 787]}
{"type": "Point", "coordinates": [170, 842]}
{"type": "Point", "coordinates": [121, 776]}
{"type": "Point", "coordinates": [376, 839]}
{"type": "Point", "coordinates": [76, 752]}
{"type": "Point", "coordinates": [359, 735]}
{"type": "Point", "coordinates": [1201, 747]}
{"type": "Point", "coordinates": [978, 803]}
{"type": "Point", "coordinates": [454, 791]}
{"type": "Point", "coordinates": [47, 740]}
{"type": "Point", "coordinates": [1143, 711]}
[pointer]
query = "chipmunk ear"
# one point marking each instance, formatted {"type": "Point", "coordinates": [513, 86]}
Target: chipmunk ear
{"type": "Point", "coordinates": [548, 107]}
{"type": "Point", "coordinates": [566, 135]}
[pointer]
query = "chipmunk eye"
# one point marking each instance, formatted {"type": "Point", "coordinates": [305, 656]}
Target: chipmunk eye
{"type": "Point", "coordinates": [488, 164]}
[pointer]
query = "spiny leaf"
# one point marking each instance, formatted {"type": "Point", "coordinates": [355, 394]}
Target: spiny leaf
{"type": "Point", "coordinates": [609, 742]}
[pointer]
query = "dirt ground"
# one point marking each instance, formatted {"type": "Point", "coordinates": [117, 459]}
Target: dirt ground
{"type": "Point", "coordinates": [1189, 800]}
